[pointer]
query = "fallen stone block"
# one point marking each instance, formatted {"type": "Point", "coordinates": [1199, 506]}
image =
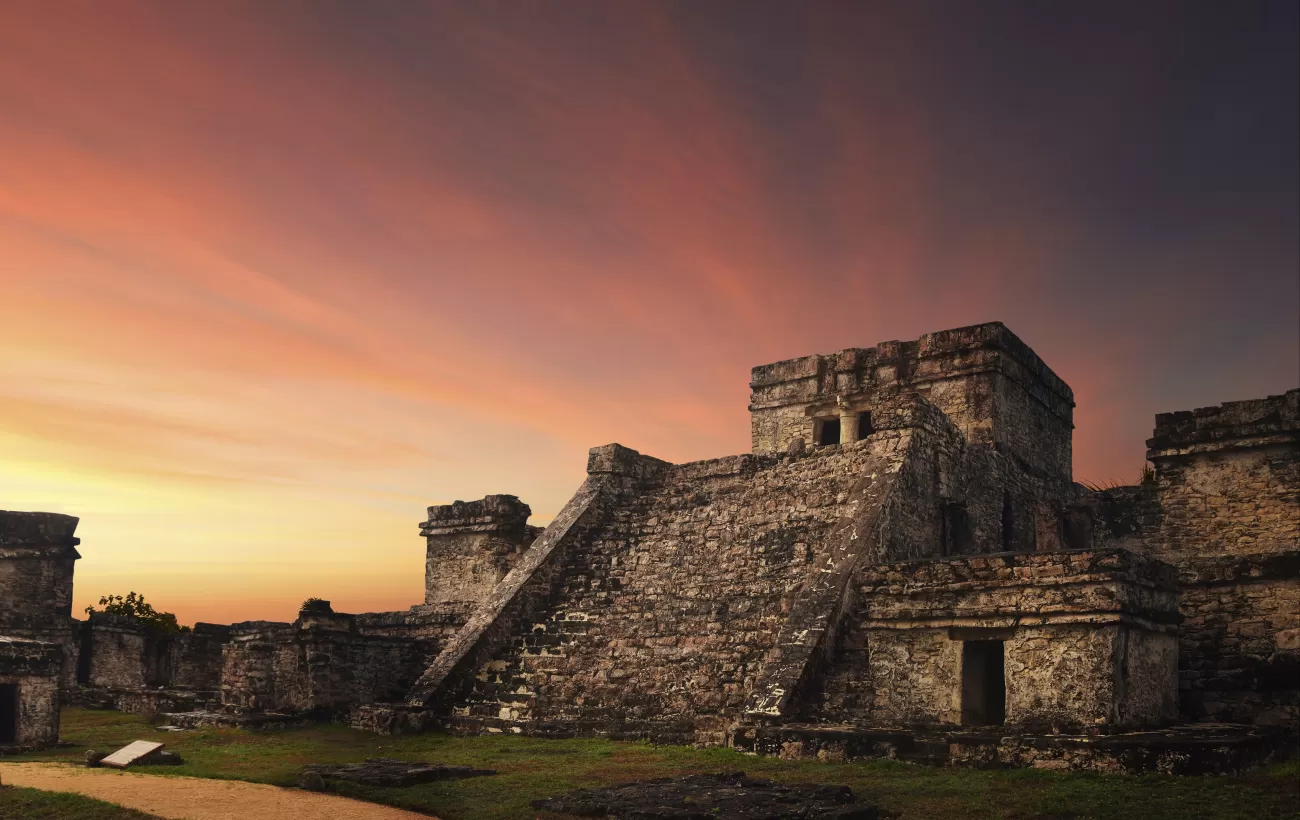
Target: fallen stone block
{"type": "Point", "coordinates": [730, 796]}
{"type": "Point", "coordinates": [383, 771]}
{"type": "Point", "coordinates": [131, 753]}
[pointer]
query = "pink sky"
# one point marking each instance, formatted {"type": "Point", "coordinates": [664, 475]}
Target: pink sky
{"type": "Point", "coordinates": [276, 276]}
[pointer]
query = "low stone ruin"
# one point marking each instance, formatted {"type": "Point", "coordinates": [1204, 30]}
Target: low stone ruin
{"type": "Point", "coordinates": [389, 773]}
{"type": "Point", "coordinates": [731, 796]}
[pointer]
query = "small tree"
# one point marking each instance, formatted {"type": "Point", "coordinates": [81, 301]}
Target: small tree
{"type": "Point", "coordinates": [135, 606]}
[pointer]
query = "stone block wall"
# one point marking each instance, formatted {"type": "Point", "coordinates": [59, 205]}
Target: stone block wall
{"type": "Point", "coordinates": [121, 653]}
{"type": "Point", "coordinates": [471, 546]}
{"type": "Point", "coordinates": [320, 663]}
{"type": "Point", "coordinates": [1088, 641]}
{"type": "Point", "coordinates": [37, 553]}
{"type": "Point", "coordinates": [1228, 488]}
{"type": "Point", "coordinates": [987, 381]}
{"type": "Point", "coordinates": [29, 673]}
{"type": "Point", "coordinates": [194, 658]}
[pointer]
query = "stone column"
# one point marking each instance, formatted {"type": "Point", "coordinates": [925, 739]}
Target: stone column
{"type": "Point", "coordinates": [848, 424]}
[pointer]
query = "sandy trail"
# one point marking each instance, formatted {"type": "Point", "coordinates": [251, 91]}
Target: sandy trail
{"type": "Point", "coordinates": [195, 798]}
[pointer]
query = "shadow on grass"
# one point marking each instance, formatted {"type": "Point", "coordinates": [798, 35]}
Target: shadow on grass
{"type": "Point", "coordinates": [530, 769]}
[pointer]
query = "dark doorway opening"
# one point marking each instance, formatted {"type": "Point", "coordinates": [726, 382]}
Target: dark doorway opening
{"type": "Point", "coordinates": [1008, 524]}
{"type": "Point", "coordinates": [983, 684]}
{"type": "Point", "coordinates": [827, 431]}
{"type": "Point", "coordinates": [865, 427]}
{"type": "Point", "coordinates": [956, 535]}
{"type": "Point", "coordinates": [8, 713]}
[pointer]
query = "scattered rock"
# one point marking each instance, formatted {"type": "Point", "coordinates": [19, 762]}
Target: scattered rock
{"type": "Point", "coordinates": [730, 796]}
{"type": "Point", "coordinates": [383, 771]}
{"type": "Point", "coordinates": [170, 729]}
{"type": "Point", "coordinates": [312, 782]}
{"type": "Point", "coordinates": [93, 758]}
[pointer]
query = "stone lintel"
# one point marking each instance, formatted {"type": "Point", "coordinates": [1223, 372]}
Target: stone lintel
{"type": "Point", "coordinates": [1011, 569]}
{"type": "Point", "coordinates": [923, 619]}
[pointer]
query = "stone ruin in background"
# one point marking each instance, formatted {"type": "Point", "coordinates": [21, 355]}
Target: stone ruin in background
{"type": "Point", "coordinates": [902, 566]}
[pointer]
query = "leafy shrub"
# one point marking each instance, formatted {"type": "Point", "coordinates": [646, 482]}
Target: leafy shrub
{"type": "Point", "coordinates": [135, 606]}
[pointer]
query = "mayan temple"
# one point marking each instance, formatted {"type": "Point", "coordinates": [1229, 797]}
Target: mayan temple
{"type": "Point", "coordinates": [902, 566]}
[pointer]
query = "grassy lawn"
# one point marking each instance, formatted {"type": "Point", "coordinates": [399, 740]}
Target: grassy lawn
{"type": "Point", "coordinates": [531, 769]}
{"type": "Point", "coordinates": [30, 804]}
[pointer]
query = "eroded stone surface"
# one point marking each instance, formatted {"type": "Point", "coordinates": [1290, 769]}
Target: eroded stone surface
{"type": "Point", "coordinates": [730, 796]}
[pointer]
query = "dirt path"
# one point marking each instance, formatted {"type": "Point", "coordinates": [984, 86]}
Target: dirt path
{"type": "Point", "coordinates": [195, 798]}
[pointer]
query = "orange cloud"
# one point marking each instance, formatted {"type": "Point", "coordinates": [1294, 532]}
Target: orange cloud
{"type": "Point", "coordinates": [276, 277]}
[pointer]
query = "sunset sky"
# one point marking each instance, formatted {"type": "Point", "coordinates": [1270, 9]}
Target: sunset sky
{"type": "Point", "coordinates": [276, 276]}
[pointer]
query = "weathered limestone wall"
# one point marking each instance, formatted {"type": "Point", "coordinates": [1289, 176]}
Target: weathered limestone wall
{"type": "Point", "coordinates": [321, 662]}
{"type": "Point", "coordinates": [37, 553]}
{"type": "Point", "coordinates": [194, 658]}
{"type": "Point", "coordinates": [910, 677]}
{"type": "Point", "coordinates": [33, 667]}
{"type": "Point", "coordinates": [1228, 485]}
{"type": "Point", "coordinates": [1089, 641]}
{"type": "Point", "coordinates": [471, 546]}
{"type": "Point", "coordinates": [121, 653]}
{"type": "Point", "coordinates": [987, 381]}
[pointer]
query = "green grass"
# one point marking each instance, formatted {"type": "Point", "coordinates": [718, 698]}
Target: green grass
{"type": "Point", "coordinates": [30, 804]}
{"type": "Point", "coordinates": [531, 769]}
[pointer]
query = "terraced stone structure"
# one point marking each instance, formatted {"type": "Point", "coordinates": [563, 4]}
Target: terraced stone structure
{"type": "Point", "coordinates": [903, 550]}
{"type": "Point", "coordinates": [902, 566]}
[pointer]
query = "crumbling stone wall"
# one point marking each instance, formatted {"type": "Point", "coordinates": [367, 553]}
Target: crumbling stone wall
{"type": "Point", "coordinates": [120, 652]}
{"type": "Point", "coordinates": [37, 553]}
{"type": "Point", "coordinates": [1089, 641]}
{"type": "Point", "coordinates": [33, 667]}
{"type": "Point", "coordinates": [1228, 484]}
{"type": "Point", "coordinates": [319, 663]}
{"type": "Point", "coordinates": [194, 658]}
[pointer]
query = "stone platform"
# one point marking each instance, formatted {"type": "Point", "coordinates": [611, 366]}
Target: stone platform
{"type": "Point", "coordinates": [252, 720]}
{"type": "Point", "coordinates": [1202, 748]}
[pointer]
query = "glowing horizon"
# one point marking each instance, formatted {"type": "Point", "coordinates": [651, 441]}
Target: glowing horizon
{"type": "Point", "coordinates": [278, 277]}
